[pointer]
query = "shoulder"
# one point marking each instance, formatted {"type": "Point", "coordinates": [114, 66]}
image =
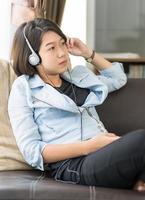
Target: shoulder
{"type": "Point", "coordinates": [82, 69]}
{"type": "Point", "coordinates": [20, 86]}
{"type": "Point", "coordinates": [82, 72]}
{"type": "Point", "coordinates": [20, 82]}
{"type": "Point", "coordinates": [20, 92]}
{"type": "Point", "coordinates": [79, 72]}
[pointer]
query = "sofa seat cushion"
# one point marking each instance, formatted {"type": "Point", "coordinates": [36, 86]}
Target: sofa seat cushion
{"type": "Point", "coordinates": [36, 185]}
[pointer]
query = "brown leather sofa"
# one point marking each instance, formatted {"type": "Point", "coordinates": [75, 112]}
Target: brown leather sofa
{"type": "Point", "coordinates": [123, 111]}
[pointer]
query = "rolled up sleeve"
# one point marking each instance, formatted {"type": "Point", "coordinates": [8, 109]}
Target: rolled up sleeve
{"type": "Point", "coordinates": [114, 77]}
{"type": "Point", "coordinates": [24, 127]}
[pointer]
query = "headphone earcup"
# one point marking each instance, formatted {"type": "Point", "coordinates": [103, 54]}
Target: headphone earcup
{"type": "Point", "coordinates": [34, 59]}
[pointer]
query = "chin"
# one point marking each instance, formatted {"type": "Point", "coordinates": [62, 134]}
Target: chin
{"type": "Point", "coordinates": [63, 70]}
{"type": "Point", "coordinates": [66, 68]}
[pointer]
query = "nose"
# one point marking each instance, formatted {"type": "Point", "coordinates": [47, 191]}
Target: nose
{"type": "Point", "coordinates": [61, 52]}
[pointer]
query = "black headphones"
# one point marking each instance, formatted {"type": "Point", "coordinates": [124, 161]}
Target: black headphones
{"type": "Point", "coordinates": [34, 59]}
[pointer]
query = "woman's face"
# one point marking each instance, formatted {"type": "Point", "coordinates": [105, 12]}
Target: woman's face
{"type": "Point", "coordinates": [54, 53]}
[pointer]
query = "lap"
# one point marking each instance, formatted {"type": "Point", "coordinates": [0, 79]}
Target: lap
{"type": "Point", "coordinates": [115, 159]}
{"type": "Point", "coordinates": [123, 147]}
{"type": "Point", "coordinates": [102, 167]}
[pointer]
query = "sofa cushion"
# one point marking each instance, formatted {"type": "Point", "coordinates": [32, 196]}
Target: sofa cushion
{"type": "Point", "coordinates": [124, 110]}
{"type": "Point", "coordinates": [10, 156]}
{"type": "Point", "coordinates": [36, 185]}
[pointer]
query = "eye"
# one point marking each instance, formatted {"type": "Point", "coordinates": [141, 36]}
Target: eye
{"type": "Point", "coordinates": [50, 48]}
{"type": "Point", "coordinates": [63, 42]}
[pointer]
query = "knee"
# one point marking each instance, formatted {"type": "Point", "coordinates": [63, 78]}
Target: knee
{"type": "Point", "coordinates": [138, 135]}
{"type": "Point", "coordinates": [140, 131]}
{"type": "Point", "coordinates": [134, 141]}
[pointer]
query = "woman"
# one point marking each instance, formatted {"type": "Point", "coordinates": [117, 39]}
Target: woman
{"type": "Point", "coordinates": [53, 116]}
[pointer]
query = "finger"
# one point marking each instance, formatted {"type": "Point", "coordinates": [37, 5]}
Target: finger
{"type": "Point", "coordinates": [67, 41]}
{"type": "Point", "coordinates": [71, 42]}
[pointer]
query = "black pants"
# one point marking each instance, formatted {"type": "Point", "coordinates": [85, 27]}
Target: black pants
{"type": "Point", "coordinates": [117, 165]}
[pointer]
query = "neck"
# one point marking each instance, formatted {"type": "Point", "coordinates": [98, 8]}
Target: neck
{"type": "Point", "coordinates": [53, 80]}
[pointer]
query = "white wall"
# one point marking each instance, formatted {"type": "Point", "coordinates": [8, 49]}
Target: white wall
{"type": "Point", "coordinates": [74, 24]}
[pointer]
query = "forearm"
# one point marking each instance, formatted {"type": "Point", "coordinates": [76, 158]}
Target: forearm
{"type": "Point", "coordinates": [98, 61]}
{"type": "Point", "coordinates": [57, 152]}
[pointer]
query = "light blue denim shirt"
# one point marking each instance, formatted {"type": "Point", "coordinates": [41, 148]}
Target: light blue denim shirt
{"type": "Point", "coordinates": [41, 115]}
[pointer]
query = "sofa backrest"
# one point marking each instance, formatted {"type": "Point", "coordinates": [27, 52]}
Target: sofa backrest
{"type": "Point", "coordinates": [124, 110]}
{"type": "Point", "coordinates": [10, 157]}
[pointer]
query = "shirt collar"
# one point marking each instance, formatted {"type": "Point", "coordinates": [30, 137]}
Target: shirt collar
{"type": "Point", "coordinates": [80, 76]}
{"type": "Point", "coordinates": [76, 75]}
{"type": "Point", "coordinates": [35, 81]}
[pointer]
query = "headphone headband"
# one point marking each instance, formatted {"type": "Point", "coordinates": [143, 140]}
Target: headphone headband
{"type": "Point", "coordinates": [33, 59]}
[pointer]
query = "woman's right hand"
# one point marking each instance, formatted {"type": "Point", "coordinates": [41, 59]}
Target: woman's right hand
{"type": "Point", "coordinates": [98, 142]}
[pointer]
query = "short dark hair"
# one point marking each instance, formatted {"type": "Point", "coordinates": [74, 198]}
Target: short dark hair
{"type": "Point", "coordinates": [34, 31]}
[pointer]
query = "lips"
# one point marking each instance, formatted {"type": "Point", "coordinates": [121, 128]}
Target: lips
{"type": "Point", "coordinates": [63, 62]}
